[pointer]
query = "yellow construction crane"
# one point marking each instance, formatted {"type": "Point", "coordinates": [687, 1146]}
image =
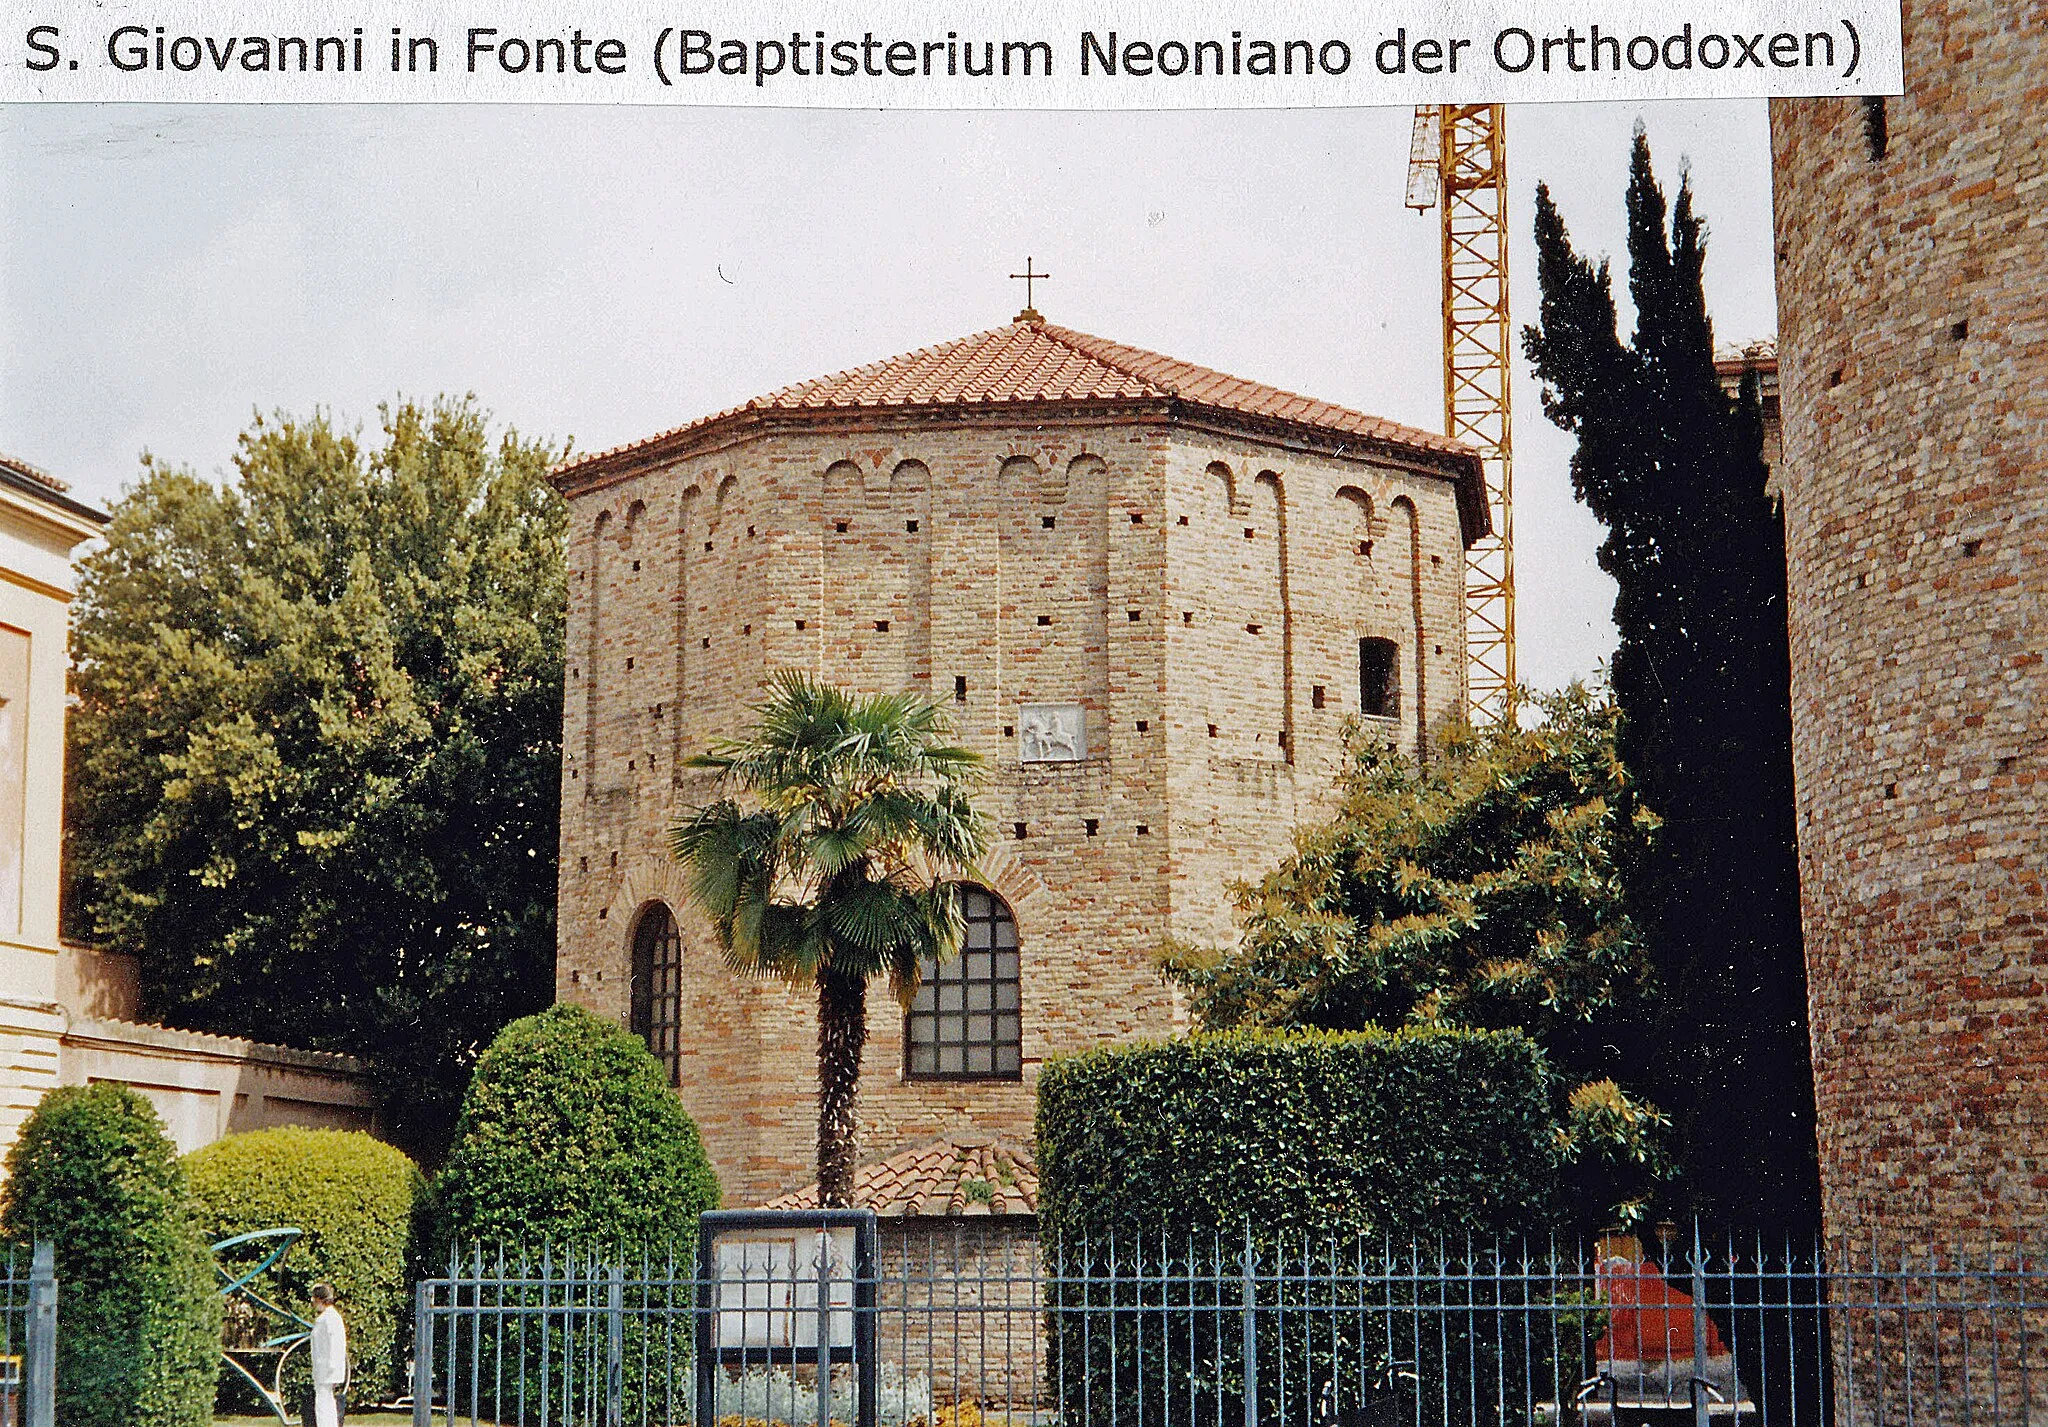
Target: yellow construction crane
{"type": "Point", "coordinates": [1457, 163]}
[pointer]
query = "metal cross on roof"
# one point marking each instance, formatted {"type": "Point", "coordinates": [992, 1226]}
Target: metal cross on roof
{"type": "Point", "coordinates": [1030, 312]}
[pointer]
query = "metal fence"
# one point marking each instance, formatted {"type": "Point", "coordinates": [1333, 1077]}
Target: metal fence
{"type": "Point", "coordinates": [28, 1337]}
{"type": "Point", "coordinates": [978, 1332]}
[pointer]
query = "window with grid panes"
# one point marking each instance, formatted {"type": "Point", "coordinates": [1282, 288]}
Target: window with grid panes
{"type": "Point", "coordinates": [963, 1025]}
{"type": "Point", "coordinates": [658, 987]}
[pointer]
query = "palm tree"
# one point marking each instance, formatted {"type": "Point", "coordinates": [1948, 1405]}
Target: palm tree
{"type": "Point", "coordinates": [840, 867]}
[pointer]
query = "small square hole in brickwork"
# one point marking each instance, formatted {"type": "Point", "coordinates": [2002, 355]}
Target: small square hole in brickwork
{"type": "Point", "coordinates": [575, 673]}
{"type": "Point", "coordinates": [1137, 517]}
{"type": "Point", "coordinates": [615, 859]}
{"type": "Point", "coordinates": [1891, 791]}
{"type": "Point", "coordinates": [1009, 730]}
{"type": "Point", "coordinates": [1281, 738]}
{"type": "Point", "coordinates": [1094, 825]}
{"type": "Point", "coordinates": [574, 775]}
{"type": "Point", "coordinates": [803, 624]}
{"type": "Point", "coordinates": [1835, 377]}
{"type": "Point", "coordinates": [1315, 696]}
{"type": "Point", "coordinates": [750, 532]}
{"type": "Point", "coordinates": [1436, 559]}
{"type": "Point", "coordinates": [1187, 616]}
{"type": "Point", "coordinates": [1213, 731]}
{"type": "Point", "coordinates": [1971, 547]}
{"type": "Point", "coordinates": [657, 710]}
{"type": "Point", "coordinates": [1863, 580]}
{"type": "Point", "coordinates": [1365, 547]}
{"type": "Point", "coordinates": [1182, 521]}
{"type": "Point", "coordinates": [1046, 522]}
{"type": "Point", "coordinates": [1144, 829]}
{"type": "Point", "coordinates": [959, 688]}
{"type": "Point", "coordinates": [840, 526]}
{"type": "Point", "coordinates": [1439, 649]}
{"type": "Point", "coordinates": [707, 641]}
{"type": "Point", "coordinates": [636, 567]}
{"type": "Point", "coordinates": [631, 765]}
{"type": "Point", "coordinates": [1252, 628]}
{"type": "Point", "coordinates": [911, 526]}
{"type": "Point", "coordinates": [1044, 620]}
{"type": "Point", "coordinates": [629, 663]}
{"type": "Point", "coordinates": [1250, 533]}
{"type": "Point", "coordinates": [746, 629]}
{"type": "Point", "coordinates": [1017, 831]}
{"type": "Point", "coordinates": [707, 547]}
{"type": "Point", "coordinates": [882, 626]}
{"type": "Point", "coordinates": [582, 864]}
{"type": "Point", "coordinates": [1132, 615]}
{"type": "Point", "coordinates": [2008, 763]}
{"type": "Point", "coordinates": [1144, 725]}
{"type": "Point", "coordinates": [1959, 330]}
{"type": "Point", "coordinates": [603, 913]}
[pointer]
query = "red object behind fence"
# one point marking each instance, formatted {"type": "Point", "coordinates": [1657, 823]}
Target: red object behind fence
{"type": "Point", "coordinates": [1647, 1320]}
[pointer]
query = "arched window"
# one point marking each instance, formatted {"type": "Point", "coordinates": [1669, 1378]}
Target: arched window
{"type": "Point", "coordinates": [964, 1023]}
{"type": "Point", "coordinates": [658, 987]}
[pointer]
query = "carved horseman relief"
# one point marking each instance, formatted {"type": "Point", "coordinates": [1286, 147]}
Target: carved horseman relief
{"type": "Point", "coordinates": [1051, 733]}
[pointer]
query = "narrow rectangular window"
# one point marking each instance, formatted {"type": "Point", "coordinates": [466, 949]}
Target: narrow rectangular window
{"type": "Point", "coordinates": [1379, 678]}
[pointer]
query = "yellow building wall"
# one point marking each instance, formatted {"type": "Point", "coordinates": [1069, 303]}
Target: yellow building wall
{"type": "Point", "coordinates": [37, 539]}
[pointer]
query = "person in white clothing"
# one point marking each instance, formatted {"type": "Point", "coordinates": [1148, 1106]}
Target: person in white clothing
{"type": "Point", "coordinates": [329, 1354]}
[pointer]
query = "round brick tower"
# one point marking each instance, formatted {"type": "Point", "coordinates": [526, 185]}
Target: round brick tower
{"type": "Point", "coordinates": [1913, 322]}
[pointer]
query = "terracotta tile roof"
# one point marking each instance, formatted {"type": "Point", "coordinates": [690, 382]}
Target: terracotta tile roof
{"type": "Point", "coordinates": [33, 473]}
{"type": "Point", "coordinates": [1032, 363]}
{"type": "Point", "coordinates": [41, 485]}
{"type": "Point", "coordinates": [959, 1175]}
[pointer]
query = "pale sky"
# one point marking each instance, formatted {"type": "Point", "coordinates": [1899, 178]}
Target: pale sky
{"type": "Point", "coordinates": [601, 274]}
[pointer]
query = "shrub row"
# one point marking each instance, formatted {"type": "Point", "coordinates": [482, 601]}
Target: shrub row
{"type": "Point", "coordinates": [569, 1135]}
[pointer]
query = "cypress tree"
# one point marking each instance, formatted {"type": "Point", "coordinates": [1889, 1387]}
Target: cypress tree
{"type": "Point", "coordinates": [1674, 468]}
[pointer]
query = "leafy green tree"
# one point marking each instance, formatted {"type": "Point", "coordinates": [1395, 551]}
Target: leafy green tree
{"type": "Point", "coordinates": [570, 1135]}
{"type": "Point", "coordinates": [314, 763]}
{"type": "Point", "coordinates": [840, 869]}
{"type": "Point", "coordinates": [1484, 889]}
{"type": "Point", "coordinates": [1674, 468]}
{"type": "Point", "coordinates": [94, 1173]}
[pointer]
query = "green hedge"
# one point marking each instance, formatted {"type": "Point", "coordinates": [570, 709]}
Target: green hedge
{"type": "Point", "coordinates": [1152, 1152]}
{"type": "Point", "coordinates": [1409, 1132]}
{"type": "Point", "coordinates": [139, 1339]}
{"type": "Point", "coordinates": [355, 1198]}
{"type": "Point", "coordinates": [570, 1135]}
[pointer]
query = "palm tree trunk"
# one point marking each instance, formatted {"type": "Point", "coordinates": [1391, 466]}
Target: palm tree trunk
{"type": "Point", "coordinates": [842, 1034]}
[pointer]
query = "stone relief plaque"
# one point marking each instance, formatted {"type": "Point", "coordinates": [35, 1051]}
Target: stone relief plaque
{"type": "Point", "coordinates": [1051, 733]}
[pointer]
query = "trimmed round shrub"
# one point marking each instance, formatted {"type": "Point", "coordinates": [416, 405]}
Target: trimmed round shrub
{"type": "Point", "coordinates": [570, 1135]}
{"type": "Point", "coordinates": [355, 1198]}
{"type": "Point", "coordinates": [139, 1344]}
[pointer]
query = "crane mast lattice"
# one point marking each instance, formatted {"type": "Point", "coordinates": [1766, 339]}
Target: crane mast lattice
{"type": "Point", "coordinates": [1457, 164]}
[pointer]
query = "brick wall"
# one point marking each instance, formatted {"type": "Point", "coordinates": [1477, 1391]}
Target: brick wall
{"type": "Point", "coordinates": [1913, 344]}
{"type": "Point", "coordinates": [1166, 577]}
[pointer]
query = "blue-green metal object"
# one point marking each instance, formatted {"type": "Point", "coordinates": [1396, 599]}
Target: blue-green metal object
{"type": "Point", "coordinates": [236, 1286]}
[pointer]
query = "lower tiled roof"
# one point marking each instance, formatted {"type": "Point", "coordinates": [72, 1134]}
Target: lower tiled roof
{"type": "Point", "coordinates": [963, 1174]}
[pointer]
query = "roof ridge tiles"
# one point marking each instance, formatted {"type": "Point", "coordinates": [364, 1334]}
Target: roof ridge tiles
{"type": "Point", "coordinates": [1037, 364]}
